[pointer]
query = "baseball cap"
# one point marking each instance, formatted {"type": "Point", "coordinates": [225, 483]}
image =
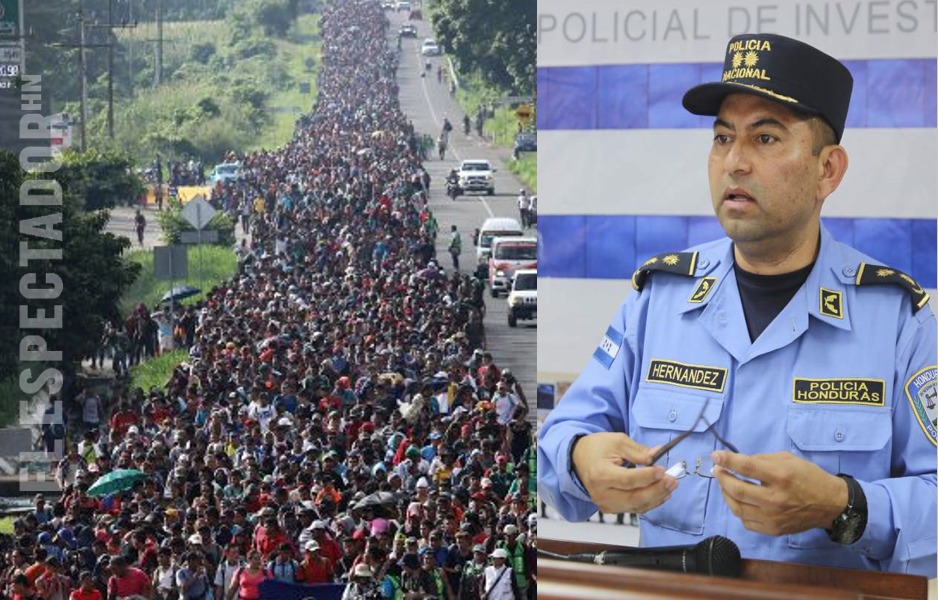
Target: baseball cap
{"type": "Point", "coordinates": [783, 70]}
{"type": "Point", "coordinates": [499, 553]}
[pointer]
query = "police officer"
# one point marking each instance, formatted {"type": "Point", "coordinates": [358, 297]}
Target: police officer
{"type": "Point", "coordinates": [801, 368]}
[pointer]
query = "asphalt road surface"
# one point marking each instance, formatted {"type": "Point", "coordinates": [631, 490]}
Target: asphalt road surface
{"type": "Point", "coordinates": [426, 101]}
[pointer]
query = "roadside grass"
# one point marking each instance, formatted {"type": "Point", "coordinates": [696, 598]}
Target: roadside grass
{"type": "Point", "coordinates": [173, 110]}
{"type": "Point", "coordinates": [12, 396]}
{"type": "Point", "coordinates": [525, 169]}
{"type": "Point", "coordinates": [501, 128]}
{"type": "Point", "coordinates": [6, 525]}
{"type": "Point", "coordinates": [156, 371]}
{"type": "Point", "coordinates": [285, 106]}
{"type": "Point", "coordinates": [218, 265]}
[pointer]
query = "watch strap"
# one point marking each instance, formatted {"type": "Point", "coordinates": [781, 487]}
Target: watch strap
{"type": "Point", "coordinates": [849, 526]}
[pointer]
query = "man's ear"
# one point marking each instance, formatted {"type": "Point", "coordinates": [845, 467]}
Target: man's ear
{"type": "Point", "coordinates": [833, 163]}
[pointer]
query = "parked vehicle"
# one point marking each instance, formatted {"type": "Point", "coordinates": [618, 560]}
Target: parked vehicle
{"type": "Point", "coordinates": [225, 172]}
{"type": "Point", "coordinates": [510, 254]}
{"type": "Point", "coordinates": [526, 141]}
{"type": "Point", "coordinates": [429, 48]}
{"type": "Point", "coordinates": [522, 300]}
{"type": "Point", "coordinates": [492, 228]}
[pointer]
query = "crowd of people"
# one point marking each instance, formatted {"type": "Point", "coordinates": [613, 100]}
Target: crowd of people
{"type": "Point", "coordinates": [337, 421]}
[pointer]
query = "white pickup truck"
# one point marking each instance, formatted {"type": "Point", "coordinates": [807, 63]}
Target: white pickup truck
{"type": "Point", "coordinates": [476, 175]}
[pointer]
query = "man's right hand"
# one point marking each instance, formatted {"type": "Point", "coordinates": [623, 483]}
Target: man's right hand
{"type": "Point", "coordinates": [599, 460]}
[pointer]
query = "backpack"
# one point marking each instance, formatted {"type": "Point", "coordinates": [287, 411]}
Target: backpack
{"type": "Point", "coordinates": [271, 568]}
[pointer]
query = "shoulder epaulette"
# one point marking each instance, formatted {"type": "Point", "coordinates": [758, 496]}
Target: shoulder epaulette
{"type": "Point", "coordinates": [869, 274]}
{"type": "Point", "coordinates": [676, 263]}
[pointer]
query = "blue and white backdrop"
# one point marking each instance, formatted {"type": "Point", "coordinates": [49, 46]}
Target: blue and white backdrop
{"type": "Point", "coordinates": [622, 166]}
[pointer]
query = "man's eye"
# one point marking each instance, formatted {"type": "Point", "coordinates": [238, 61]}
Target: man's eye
{"type": "Point", "coordinates": [721, 138]}
{"type": "Point", "coordinates": [765, 138]}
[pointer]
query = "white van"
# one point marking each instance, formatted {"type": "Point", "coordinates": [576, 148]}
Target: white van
{"type": "Point", "coordinates": [508, 255]}
{"type": "Point", "coordinates": [522, 299]}
{"type": "Point", "coordinates": [494, 227]}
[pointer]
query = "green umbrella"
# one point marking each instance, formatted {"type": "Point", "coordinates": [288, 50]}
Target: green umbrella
{"type": "Point", "coordinates": [116, 481]}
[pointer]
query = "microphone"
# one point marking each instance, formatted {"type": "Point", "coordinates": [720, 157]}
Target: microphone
{"type": "Point", "coordinates": [715, 555]}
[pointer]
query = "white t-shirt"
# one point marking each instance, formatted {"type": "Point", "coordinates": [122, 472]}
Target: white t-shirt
{"type": "Point", "coordinates": [505, 407]}
{"type": "Point", "coordinates": [261, 414]}
{"type": "Point", "coordinates": [224, 574]}
{"type": "Point", "coordinates": [90, 410]}
{"type": "Point", "coordinates": [498, 583]}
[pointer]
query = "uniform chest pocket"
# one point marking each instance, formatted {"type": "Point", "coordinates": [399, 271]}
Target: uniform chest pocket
{"type": "Point", "coordinates": [657, 417]}
{"type": "Point", "coordinates": [839, 440]}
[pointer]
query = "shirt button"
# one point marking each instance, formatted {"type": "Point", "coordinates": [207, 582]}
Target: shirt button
{"type": "Point", "coordinates": [672, 416]}
{"type": "Point", "coordinates": [721, 318]}
{"type": "Point", "coordinates": [849, 271]}
{"type": "Point", "coordinates": [839, 436]}
{"type": "Point", "coordinates": [703, 264]}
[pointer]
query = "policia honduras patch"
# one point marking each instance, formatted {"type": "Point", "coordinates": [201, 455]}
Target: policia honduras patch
{"type": "Point", "coordinates": [841, 390]}
{"type": "Point", "coordinates": [922, 391]}
{"type": "Point", "coordinates": [869, 274]}
{"type": "Point", "coordinates": [676, 263]}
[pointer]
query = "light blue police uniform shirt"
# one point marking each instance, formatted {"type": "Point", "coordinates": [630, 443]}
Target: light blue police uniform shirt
{"type": "Point", "coordinates": [849, 386]}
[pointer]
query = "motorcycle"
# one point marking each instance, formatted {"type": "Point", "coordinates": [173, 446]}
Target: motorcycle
{"type": "Point", "coordinates": [453, 190]}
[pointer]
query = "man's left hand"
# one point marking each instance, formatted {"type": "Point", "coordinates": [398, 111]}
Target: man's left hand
{"type": "Point", "coordinates": [795, 495]}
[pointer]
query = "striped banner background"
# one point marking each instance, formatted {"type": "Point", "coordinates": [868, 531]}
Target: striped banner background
{"type": "Point", "coordinates": [622, 166]}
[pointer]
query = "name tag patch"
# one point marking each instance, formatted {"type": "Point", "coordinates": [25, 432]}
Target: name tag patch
{"type": "Point", "coordinates": [608, 347]}
{"type": "Point", "coordinates": [699, 377]}
{"type": "Point", "coordinates": [844, 390]}
{"type": "Point", "coordinates": [922, 391]}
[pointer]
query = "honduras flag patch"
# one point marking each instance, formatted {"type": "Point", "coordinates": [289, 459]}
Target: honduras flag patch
{"type": "Point", "coordinates": [608, 347]}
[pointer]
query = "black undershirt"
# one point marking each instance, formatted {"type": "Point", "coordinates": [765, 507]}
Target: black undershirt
{"type": "Point", "coordinates": [764, 296]}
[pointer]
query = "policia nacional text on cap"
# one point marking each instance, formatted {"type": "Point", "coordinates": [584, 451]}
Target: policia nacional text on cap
{"type": "Point", "coordinates": [810, 358]}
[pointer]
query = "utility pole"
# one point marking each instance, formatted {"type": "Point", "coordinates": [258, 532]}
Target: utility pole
{"type": "Point", "coordinates": [159, 43]}
{"type": "Point", "coordinates": [82, 45]}
{"type": "Point", "coordinates": [110, 70]}
{"type": "Point", "coordinates": [82, 78]}
{"type": "Point", "coordinates": [111, 26]}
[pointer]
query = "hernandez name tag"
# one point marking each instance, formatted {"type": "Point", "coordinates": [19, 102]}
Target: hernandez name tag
{"type": "Point", "coordinates": [699, 377]}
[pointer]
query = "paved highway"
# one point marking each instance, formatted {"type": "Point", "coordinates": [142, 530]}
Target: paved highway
{"type": "Point", "coordinates": [426, 101]}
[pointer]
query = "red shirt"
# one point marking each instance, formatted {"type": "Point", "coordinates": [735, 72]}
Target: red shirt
{"type": "Point", "coordinates": [319, 570]}
{"type": "Point", "coordinates": [94, 594]}
{"type": "Point", "coordinates": [266, 542]}
{"type": "Point", "coordinates": [121, 421]}
{"type": "Point", "coordinates": [134, 582]}
{"type": "Point", "coordinates": [331, 550]}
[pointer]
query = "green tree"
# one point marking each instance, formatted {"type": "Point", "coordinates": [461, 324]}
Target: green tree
{"type": "Point", "coordinates": [202, 53]}
{"type": "Point", "coordinates": [492, 37]}
{"type": "Point", "coordinates": [94, 275]}
{"type": "Point", "coordinates": [99, 179]}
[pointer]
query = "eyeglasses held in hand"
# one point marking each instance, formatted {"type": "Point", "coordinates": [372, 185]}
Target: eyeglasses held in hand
{"type": "Point", "coordinates": [667, 447]}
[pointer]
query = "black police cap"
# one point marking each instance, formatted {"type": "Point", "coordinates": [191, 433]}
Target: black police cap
{"type": "Point", "coordinates": [782, 69]}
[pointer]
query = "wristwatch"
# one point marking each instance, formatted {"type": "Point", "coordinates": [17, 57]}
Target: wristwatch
{"type": "Point", "coordinates": [851, 523]}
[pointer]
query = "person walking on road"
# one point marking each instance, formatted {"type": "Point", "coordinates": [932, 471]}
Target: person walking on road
{"type": "Point", "coordinates": [140, 224]}
{"type": "Point", "coordinates": [441, 145]}
{"type": "Point", "coordinates": [455, 246]}
{"type": "Point", "coordinates": [524, 208]}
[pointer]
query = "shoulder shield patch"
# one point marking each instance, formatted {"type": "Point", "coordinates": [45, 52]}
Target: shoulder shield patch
{"type": "Point", "coordinates": [676, 263]}
{"type": "Point", "coordinates": [869, 274]}
{"type": "Point", "coordinates": [922, 391]}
